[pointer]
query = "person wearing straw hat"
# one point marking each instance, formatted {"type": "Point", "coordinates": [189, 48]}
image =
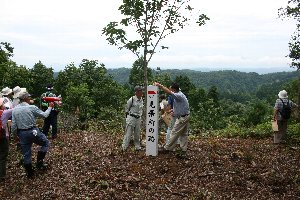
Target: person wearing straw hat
{"type": "Point", "coordinates": [3, 145]}
{"type": "Point", "coordinates": [7, 94]}
{"type": "Point", "coordinates": [279, 116]}
{"type": "Point", "coordinates": [16, 91]}
{"type": "Point", "coordinates": [24, 125]}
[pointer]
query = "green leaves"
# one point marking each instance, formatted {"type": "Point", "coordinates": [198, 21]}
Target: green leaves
{"type": "Point", "coordinates": [153, 21]}
{"type": "Point", "coordinates": [115, 36]}
{"type": "Point", "coordinates": [202, 20]}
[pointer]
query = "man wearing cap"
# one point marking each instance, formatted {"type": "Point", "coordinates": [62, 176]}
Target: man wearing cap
{"type": "Point", "coordinates": [133, 110]}
{"type": "Point", "coordinates": [281, 122]}
{"type": "Point", "coordinates": [51, 120]}
{"type": "Point", "coordinates": [24, 125]}
{"type": "Point", "coordinates": [7, 94]}
{"type": "Point", "coordinates": [181, 111]}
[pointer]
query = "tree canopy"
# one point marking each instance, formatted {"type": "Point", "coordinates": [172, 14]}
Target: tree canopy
{"type": "Point", "coordinates": [152, 21]}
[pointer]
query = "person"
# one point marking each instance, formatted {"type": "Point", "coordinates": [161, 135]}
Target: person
{"type": "Point", "coordinates": [16, 91]}
{"type": "Point", "coordinates": [51, 120]}
{"type": "Point", "coordinates": [3, 145]}
{"type": "Point", "coordinates": [163, 108]}
{"type": "Point", "coordinates": [24, 125]}
{"type": "Point", "coordinates": [133, 110]}
{"type": "Point", "coordinates": [173, 119]}
{"type": "Point", "coordinates": [7, 94]}
{"type": "Point", "coordinates": [282, 123]}
{"type": "Point", "coordinates": [181, 111]}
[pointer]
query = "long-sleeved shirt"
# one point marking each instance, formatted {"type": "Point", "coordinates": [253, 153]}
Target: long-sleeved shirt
{"type": "Point", "coordinates": [24, 116]}
{"type": "Point", "coordinates": [4, 119]}
{"type": "Point", "coordinates": [7, 103]}
{"type": "Point", "coordinates": [135, 106]}
{"type": "Point", "coordinates": [278, 106]}
{"type": "Point", "coordinates": [181, 104]}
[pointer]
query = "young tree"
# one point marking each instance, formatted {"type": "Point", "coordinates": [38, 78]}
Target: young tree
{"type": "Point", "coordinates": [293, 11]}
{"type": "Point", "coordinates": [152, 20]}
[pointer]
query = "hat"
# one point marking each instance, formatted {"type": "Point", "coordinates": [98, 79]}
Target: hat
{"type": "Point", "coordinates": [282, 94]}
{"type": "Point", "coordinates": [17, 93]}
{"type": "Point", "coordinates": [138, 88]}
{"type": "Point", "coordinates": [24, 95]}
{"type": "Point", "coordinates": [1, 101]}
{"type": "Point", "coordinates": [6, 91]}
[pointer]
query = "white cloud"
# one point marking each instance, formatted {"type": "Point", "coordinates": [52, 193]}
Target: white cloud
{"type": "Point", "coordinates": [240, 33]}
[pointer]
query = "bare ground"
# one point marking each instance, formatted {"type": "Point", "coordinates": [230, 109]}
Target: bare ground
{"type": "Point", "coordinates": [91, 166]}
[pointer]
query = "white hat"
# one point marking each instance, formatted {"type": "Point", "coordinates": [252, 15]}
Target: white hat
{"type": "Point", "coordinates": [24, 95]}
{"type": "Point", "coordinates": [17, 93]}
{"type": "Point", "coordinates": [1, 101]}
{"type": "Point", "coordinates": [282, 94]}
{"type": "Point", "coordinates": [6, 91]}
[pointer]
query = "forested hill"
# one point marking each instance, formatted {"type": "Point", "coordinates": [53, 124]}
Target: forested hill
{"type": "Point", "coordinates": [226, 81]}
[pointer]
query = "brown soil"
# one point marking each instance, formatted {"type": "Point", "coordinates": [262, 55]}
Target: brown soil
{"type": "Point", "coordinates": [91, 166]}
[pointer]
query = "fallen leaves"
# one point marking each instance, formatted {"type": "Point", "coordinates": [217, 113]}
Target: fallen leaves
{"type": "Point", "coordinates": [88, 165]}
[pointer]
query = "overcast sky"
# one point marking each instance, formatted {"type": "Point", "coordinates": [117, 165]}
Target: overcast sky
{"type": "Point", "coordinates": [241, 34]}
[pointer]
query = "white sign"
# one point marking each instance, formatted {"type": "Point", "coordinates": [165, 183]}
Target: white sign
{"type": "Point", "coordinates": [152, 121]}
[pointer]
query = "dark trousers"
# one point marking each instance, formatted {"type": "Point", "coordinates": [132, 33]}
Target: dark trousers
{"type": "Point", "coordinates": [280, 135]}
{"type": "Point", "coordinates": [3, 156]}
{"type": "Point", "coordinates": [27, 138]}
{"type": "Point", "coordinates": [51, 120]}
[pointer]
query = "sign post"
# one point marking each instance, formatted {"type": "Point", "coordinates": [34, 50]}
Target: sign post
{"type": "Point", "coordinates": [152, 121]}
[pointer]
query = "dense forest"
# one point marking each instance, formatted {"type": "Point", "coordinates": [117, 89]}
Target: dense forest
{"type": "Point", "coordinates": [230, 83]}
{"type": "Point", "coordinates": [221, 102]}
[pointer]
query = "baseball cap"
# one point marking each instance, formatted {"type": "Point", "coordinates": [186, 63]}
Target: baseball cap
{"type": "Point", "coordinates": [24, 95]}
{"type": "Point", "coordinates": [138, 88]}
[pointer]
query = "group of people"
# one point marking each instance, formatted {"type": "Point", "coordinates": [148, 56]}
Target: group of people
{"type": "Point", "coordinates": [18, 119]}
{"type": "Point", "coordinates": [178, 107]}
{"type": "Point", "coordinates": [17, 106]}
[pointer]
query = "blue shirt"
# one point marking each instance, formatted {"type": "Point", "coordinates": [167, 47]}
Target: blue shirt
{"type": "Point", "coordinates": [170, 100]}
{"type": "Point", "coordinates": [24, 115]}
{"type": "Point", "coordinates": [181, 104]}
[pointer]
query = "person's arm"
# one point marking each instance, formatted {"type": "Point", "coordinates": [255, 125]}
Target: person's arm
{"type": "Point", "coordinates": [275, 114]}
{"type": "Point", "coordinates": [5, 116]}
{"type": "Point", "coordinates": [128, 105]}
{"type": "Point", "coordinates": [165, 89]}
{"type": "Point", "coordinates": [14, 127]}
{"type": "Point", "coordinates": [39, 113]}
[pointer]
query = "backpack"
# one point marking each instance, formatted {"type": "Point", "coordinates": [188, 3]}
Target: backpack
{"type": "Point", "coordinates": [286, 110]}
